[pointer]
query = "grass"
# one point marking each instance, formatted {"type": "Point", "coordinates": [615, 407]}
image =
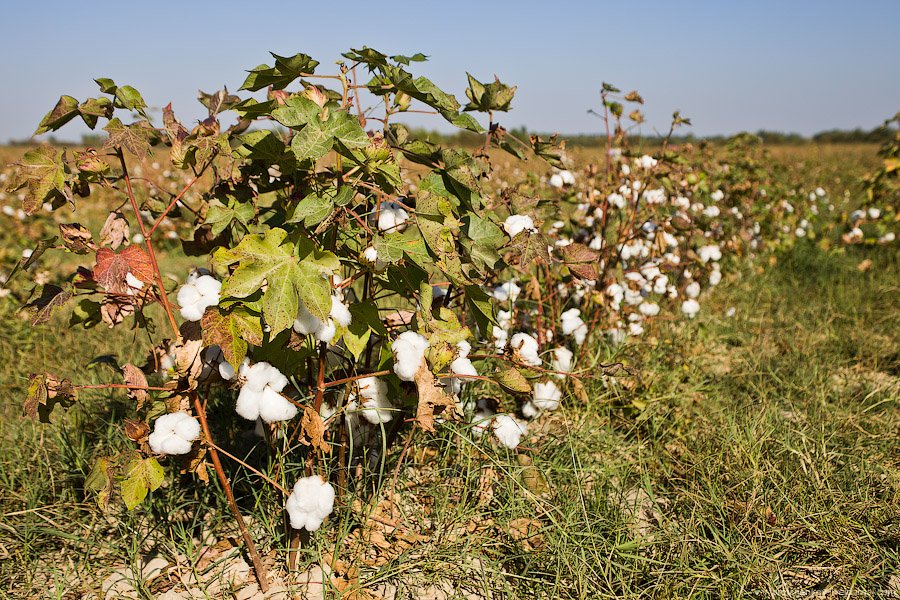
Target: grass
{"type": "Point", "coordinates": [752, 456]}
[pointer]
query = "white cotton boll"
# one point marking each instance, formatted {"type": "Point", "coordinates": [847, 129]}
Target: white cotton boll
{"type": "Point", "coordinates": [647, 162]}
{"type": "Point", "coordinates": [562, 361]}
{"type": "Point", "coordinates": [692, 290]}
{"type": "Point", "coordinates": [556, 180]}
{"type": "Point", "coordinates": [682, 203]}
{"type": "Point", "coordinates": [717, 195]}
{"type": "Point", "coordinates": [134, 284]}
{"type": "Point", "coordinates": [690, 308]}
{"type": "Point", "coordinates": [199, 293]}
{"type": "Point", "coordinates": [310, 502]}
{"type": "Point", "coordinates": [507, 292]}
{"type": "Point", "coordinates": [730, 312]}
{"type": "Point", "coordinates": [501, 337]}
{"type": "Point", "coordinates": [340, 312]}
{"type": "Point", "coordinates": [660, 284]}
{"type": "Point", "coordinates": [526, 347]}
{"type": "Point", "coordinates": [649, 309]}
{"type": "Point", "coordinates": [306, 323]}
{"type": "Point", "coordinates": [874, 213]}
{"type": "Point", "coordinates": [259, 396]}
{"type": "Point", "coordinates": [596, 243]}
{"type": "Point", "coordinates": [546, 395]}
{"type": "Point", "coordinates": [633, 297]}
{"type": "Point", "coordinates": [711, 211]}
{"type": "Point", "coordinates": [617, 200]}
{"type": "Point", "coordinates": [820, 192]}
{"type": "Point", "coordinates": [887, 238]}
{"type": "Point", "coordinates": [409, 352]}
{"type": "Point", "coordinates": [626, 170]}
{"type": "Point", "coordinates": [509, 430]}
{"type": "Point", "coordinates": [174, 433]}
{"type": "Point", "coordinates": [715, 277]}
{"type": "Point", "coordinates": [370, 254]}
{"type": "Point", "coordinates": [710, 253]}
{"type": "Point", "coordinates": [515, 224]}
{"type": "Point", "coordinates": [657, 196]}
{"type": "Point", "coordinates": [375, 407]}
{"type": "Point", "coordinates": [800, 232]}
{"type": "Point", "coordinates": [635, 329]}
{"type": "Point", "coordinates": [392, 217]}
{"type": "Point", "coordinates": [568, 177]}
{"type": "Point", "coordinates": [226, 371]}
{"type": "Point", "coordinates": [529, 410]}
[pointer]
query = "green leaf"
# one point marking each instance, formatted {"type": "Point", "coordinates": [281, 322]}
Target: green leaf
{"type": "Point", "coordinates": [317, 137]}
{"type": "Point", "coordinates": [99, 481]}
{"type": "Point", "coordinates": [365, 323]}
{"type": "Point", "coordinates": [219, 216]}
{"type": "Point", "coordinates": [64, 111]}
{"type": "Point", "coordinates": [314, 208]}
{"type": "Point", "coordinates": [272, 260]}
{"type": "Point", "coordinates": [512, 381]}
{"type": "Point", "coordinates": [262, 144]}
{"type": "Point", "coordinates": [286, 70]}
{"type": "Point", "coordinates": [135, 137]}
{"type": "Point", "coordinates": [141, 476]}
{"type": "Point", "coordinates": [129, 98]}
{"type": "Point", "coordinates": [232, 331]}
{"type": "Point", "coordinates": [481, 307]}
{"type": "Point", "coordinates": [94, 108]}
{"type": "Point", "coordinates": [43, 174]}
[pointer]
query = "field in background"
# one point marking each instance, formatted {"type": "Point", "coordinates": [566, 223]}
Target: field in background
{"type": "Point", "coordinates": [749, 455]}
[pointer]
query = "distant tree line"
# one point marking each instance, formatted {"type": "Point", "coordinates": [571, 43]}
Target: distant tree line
{"type": "Point", "coordinates": [877, 135]}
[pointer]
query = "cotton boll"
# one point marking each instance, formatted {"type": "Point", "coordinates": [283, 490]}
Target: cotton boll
{"type": "Point", "coordinates": [515, 224]}
{"type": "Point", "coordinates": [649, 309]}
{"type": "Point", "coordinates": [562, 361]}
{"type": "Point", "coordinates": [660, 284]}
{"type": "Point", "coordinates": [715, 277]}
{"type": "Point", "coordinates": [529, 410]}
{"type": "Point", "coordinates": [873, 213]}
{"type": "Point", "coordinates": [572, 324]}
{"type": "Point", "coordinates": [507, 292]}
{"type": "Point", "coordinates": [730, 312]}
{"type": "Point", "coordinates": [546, 395]}
{"type": "Point", "coordinates": [692, 290]}
{"type": "Point", "coordinates": [633, 297]}
{"type": "Point", "coordinates": [376, 407]}
{"type": "Point", "coordinates": [310, 502]}
{"type": "Point", "coordinates": [616, 200]}
{"type": "Point", "coordinates": [392, 217]}
{"type": "Point", "coordinates": [556, 180]}
{"type": "Point", "coordinates": [259, 396]}
{"type": "Point", "coordinates": [409, 352]}
{"type": "Point", "coordinates": [526, 347]}
{"type": "Point", "coordinates": [134, 284]}
{"type": "Point", "coordinates": [635, 329]}
{"type": "Point", "coordinates": [174, 433]}
{"type": "Point", "coordinates": [199, 293]}
{"type": "Point", "coordinates": [509, 430]}
{"type": "Point", "coordinates": [647, 162]}
{"type": "Point", "coordinates": [709, 253]}
{"type": "Point", "coordinates": [717, 195]}
{"type": "Point", "coordinates": [690, 308]}
{"type": "Point", "coordinates": [306, 323]}
{"type": "Point", "coordinates": [340, 312]}
{"type": "Point", "coordinates": [568, 177]}
{"type": "Point", "coordinates": [711, 211]}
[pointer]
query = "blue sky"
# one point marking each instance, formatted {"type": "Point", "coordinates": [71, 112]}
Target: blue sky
{"type": "Point", "coordinates": [789, 65]}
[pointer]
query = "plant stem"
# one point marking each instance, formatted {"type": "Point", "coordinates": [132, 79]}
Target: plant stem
{"type": "Point", "coordinates": [261, 574]}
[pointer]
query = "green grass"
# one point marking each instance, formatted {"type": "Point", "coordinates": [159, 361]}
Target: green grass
{"type": "Point", "coordinates": [756, 455]}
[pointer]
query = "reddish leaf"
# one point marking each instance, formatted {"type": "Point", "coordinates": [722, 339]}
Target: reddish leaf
{"type": "Point", "coordinates": [111, 268]}
{"type": "Point", "coordinates": [581, 260]}
{"type": "Point", "coordinates": [135, 377]}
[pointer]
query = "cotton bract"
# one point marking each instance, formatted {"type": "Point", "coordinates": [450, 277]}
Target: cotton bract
{"type": "Point", "coordinates": [310, 502]}
{"type": "Point", "coordinates": [174, 433]}
{"type": "Point", "coordinates": [409, 352]}
{"type": "Point", "coordinates": [197, 294]}
{"type": "Point", "coordinates": [260, 397]}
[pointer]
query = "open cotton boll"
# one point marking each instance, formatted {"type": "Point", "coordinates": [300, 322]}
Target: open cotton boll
{"type": "Point", "coordinates": [306, 323]}
{"type": "Point", "coordinates": [134, 284]}
{"type": "Point", "coordinates": [462, 367]}
{"type": "Point", "coordinates": [692, 290]}
{"type": "Point", "coordinates": [195, 296]}
{"type": "Point", "coordinates": [509, 430]}
{"type": "Point", "coordinates": [409, 352]}
{"type": "Point", "coordinates": [616, 200]}
{"type": "Point", "coordinates": [572, 324]}
{"type": "Point", "coordinates": [526, 347]}
{"type": "Point", "coordinates": [259, 396]}
{"type": "Point", "coordinates": [546, 395]}
{"type": "Point", "coordinates": [556, 180]}
{"type": "Point", "coordinates": [562, 360]}
{"type": "Point", "coordinates": [635, 329]}
{"type": "Point", "coordinates": [174, 433]}
{"type": "Point", "coordinates": [647, 162]}
{"type": "Point", "coordinates": [690, 308]}
{"type": "Point", "coordinates": [529, 410]}
{"type": "Point", "coordinates": [310, 502]}
{"type": "Point", "coordinates": [375, 407]}
{"type": "Point", "coordinates": [649, 309]}
{"type": "Point", "coordinates": [711, 211]}
{"type": "Point", "coordinates": [392, 217]}
{"type": "Point", "coordinates": [660, 284]}
{"type": "Point", "coordinates": [717, 195]}
{"type": "Point", "coordinates": [709, 253]}
{"type": "Point", "coordinates": [507, 292]}
{"type": "Point", "coordinates": [515, 224]}
{"type": "Point", "coordinates": [715, 277]}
